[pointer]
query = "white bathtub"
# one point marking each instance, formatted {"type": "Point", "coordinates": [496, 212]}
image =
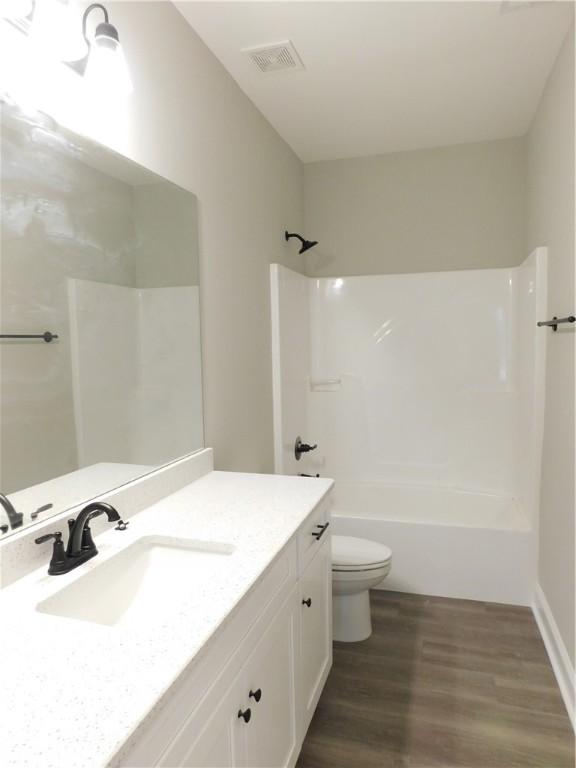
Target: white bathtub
{"type": "Point", "coordinates": [428, 504]}
{"type": "Point", "coordinates": [444, 542]}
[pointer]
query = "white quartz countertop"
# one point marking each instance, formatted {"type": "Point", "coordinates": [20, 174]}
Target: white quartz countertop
{"type": "Point", "coordinates": [74, 691]}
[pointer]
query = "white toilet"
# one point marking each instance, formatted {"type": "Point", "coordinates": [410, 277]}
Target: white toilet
{"type": "Point", "coordinates": [358, 565]}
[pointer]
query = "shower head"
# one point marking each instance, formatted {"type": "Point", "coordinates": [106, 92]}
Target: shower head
{"type": "Point", "coordinates": [306, 244]}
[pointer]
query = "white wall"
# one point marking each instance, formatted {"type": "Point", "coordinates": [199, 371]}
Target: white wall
{"type": "Point", "coordinates": [188, 121]}
{"type": "Point", "coordinates": [460, 207]}
{"type": "Point", "coordinates": [551, 223]}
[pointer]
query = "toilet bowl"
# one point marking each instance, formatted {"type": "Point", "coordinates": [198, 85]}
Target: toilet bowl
{"type": "Point", "coordinates": [358, 565]}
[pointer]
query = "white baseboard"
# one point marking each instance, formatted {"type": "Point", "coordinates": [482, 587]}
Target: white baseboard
{"type": "Point", "coordinates": [557, 652]}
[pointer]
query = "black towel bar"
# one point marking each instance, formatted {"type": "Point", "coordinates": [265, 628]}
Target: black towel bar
{"type": "Point", "coordinates": [47, 336]}
{"type": "Point", "coordinates": [556, 321]}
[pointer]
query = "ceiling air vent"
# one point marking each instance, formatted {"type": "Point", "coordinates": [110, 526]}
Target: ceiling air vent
{"type": "Point", "coordinates": [276, 57]}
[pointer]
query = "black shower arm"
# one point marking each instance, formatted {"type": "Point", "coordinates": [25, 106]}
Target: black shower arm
{"type": "Point", "coordinates": [294, 234]}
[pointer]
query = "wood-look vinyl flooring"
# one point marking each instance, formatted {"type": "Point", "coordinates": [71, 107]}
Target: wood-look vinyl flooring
{"type": "Point", "coordinates": [441, 683]}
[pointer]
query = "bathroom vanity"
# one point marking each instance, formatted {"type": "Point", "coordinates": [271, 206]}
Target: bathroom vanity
{"type": "Point", "coordinates": [199, 636]}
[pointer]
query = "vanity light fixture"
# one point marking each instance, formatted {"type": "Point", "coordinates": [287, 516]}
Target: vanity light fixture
{"type": "Point", "coordinates": [306, 244]}
{"type": "Point", "coordinates": [104, 65]}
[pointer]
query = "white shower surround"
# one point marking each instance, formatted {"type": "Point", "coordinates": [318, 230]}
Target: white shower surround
{"type": "Point", "coordinates": [424, 393]}
{"type": "Point", "coordinates": [137, 390]}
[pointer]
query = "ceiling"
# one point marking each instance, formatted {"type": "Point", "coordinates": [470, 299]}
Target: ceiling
{"type": "Point", "coordinates": [389, 76]}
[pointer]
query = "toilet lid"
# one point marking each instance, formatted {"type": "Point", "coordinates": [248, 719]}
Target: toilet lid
{"type": "Point", "coordinates": [349, 552]}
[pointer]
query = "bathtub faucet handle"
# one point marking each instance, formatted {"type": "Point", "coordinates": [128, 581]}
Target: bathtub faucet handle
{"type": "Point", "coordinates": [300, 448]}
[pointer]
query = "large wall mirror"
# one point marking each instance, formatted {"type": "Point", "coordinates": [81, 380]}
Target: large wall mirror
{"type": "Point", "coordinates": [101, 255]}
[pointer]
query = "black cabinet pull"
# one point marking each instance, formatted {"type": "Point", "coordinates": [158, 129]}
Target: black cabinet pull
{"type": "Point", "coordinates": [318, 534]}
{"type": "Point", "coordinates": [246, 715]}
{"type": "Point", "coordinates": [307, 602]}
{"type": "Point", "coordinates": [256, 695]}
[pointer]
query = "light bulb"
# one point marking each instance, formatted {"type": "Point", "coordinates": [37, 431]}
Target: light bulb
{"type": "Point", "coordinates": [106, 69]}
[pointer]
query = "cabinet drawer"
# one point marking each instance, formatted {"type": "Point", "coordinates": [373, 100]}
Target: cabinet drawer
{"type": "Point", "coordinates": [312, 534]}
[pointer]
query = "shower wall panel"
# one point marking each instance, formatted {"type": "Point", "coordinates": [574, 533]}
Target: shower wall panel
{"type": "Point", "coordinates": [429, 379]}
{"type": "Point", "coordinates": [137, 396]}
{"type": "Point", "coordinates": [426, 365]}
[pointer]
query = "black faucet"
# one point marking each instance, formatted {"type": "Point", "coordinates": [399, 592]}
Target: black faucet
{"type": "Point", "coordinates": [81, 546]}
{"type": "Point", "coordinates": [14, 518]}
{"type": "Point", "coordinates": [80, 539]}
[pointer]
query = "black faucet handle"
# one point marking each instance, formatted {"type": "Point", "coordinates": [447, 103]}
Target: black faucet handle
{"type": "Point", "coordinates": [58, 560]}
{"type": "Point", "coordinates": [122, 525]}
{"type": "Point", "coordinates": [57, 536]}
{"type": "Point", "coordinates": [43, 508]}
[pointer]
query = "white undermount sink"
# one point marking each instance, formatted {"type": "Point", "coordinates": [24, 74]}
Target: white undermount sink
{"type": "Point", "coordinates": [147, 579]}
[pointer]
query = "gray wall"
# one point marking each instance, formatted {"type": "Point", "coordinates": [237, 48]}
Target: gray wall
{"type": "Point", "coordinates": [551, 223]}
{"type": "Point", "coordinates": [166, 221]}
{"type": "Point", "coordinates": [460, 207]}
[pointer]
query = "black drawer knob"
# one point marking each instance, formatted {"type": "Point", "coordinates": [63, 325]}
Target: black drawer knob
{"type": "Point", "coordinates": [246, 715]}
{"type": "Point", "coordinates": [256, 695]}
{"type": "Point", "coordinates": [307, 602]}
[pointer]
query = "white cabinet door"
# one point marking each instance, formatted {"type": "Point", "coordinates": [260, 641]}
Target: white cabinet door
{"type": "Point", "coordinates": [212, 738]}
{"type": "Point", "coordinates": [269, 679]}
{"type": "Point", "coordinates": [316, 630]}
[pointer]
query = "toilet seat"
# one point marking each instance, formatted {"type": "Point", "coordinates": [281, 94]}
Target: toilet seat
{"type": "Point", "coordinates": [350, 554]}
